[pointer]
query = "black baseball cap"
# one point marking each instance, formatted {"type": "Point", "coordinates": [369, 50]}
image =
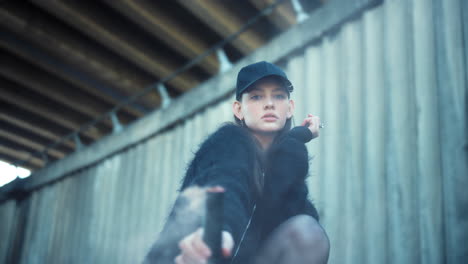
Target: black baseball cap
{"type": "Point", "coordinates": [249, 74]}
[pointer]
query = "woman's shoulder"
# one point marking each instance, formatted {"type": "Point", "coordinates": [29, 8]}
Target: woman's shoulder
{"type": "Point", "coordinates": [229, 133]}
{"type": "Point", "coordinates": [228, 142]}
{"type": "Point", "coordinates": [226, 149]}
{"type": "Point", "coordinates": [229, 128]}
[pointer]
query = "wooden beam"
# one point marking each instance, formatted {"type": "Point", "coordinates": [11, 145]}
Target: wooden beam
{"type": "Point", "coordinates": [164, 27]}
{"type": "Point", "coordinates": [34, 56]}
{"type": "Point", "coordinates": [54, 65]}
{"type": "Point", "coordinates": [217, 16]}
{"type": "Point", "coordinates": [41, 123]}
{"type": "Point", "coordinates": [115, 35]}
{"type": "Point", "coordinates": [8, 143]}
{"type": "Point", "coordinates": [49, 86]}
{"type": "Point", "coordinates": [46, 111]}
{"type": "Point", "coordinates": [9, 159]}
{"type": "Point", "coordinates": [29, 143]}
{"type": "Point", "coordinates": [16, 155]}
{"type": "Point", "coordinates": [283, 16]}
{"type": "Point", "coordinates": [35, 128]}
{"type": "Point", "coordinates": [28, 135]}
{"type": "Point", "coordinates": [79, 58]}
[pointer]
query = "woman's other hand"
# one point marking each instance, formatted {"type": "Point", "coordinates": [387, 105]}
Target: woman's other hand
{"type": "Point", "coordinates": [312, 123]}
{"type": "Point", "coordinates": [195, 251]}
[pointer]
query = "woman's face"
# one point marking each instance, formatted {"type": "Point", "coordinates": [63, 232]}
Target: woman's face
{"type": "Point", "coordinates": [265, 107]}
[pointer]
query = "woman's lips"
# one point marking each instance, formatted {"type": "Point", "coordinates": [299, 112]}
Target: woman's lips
{"type": "Point", "coordinates": [270, 117]}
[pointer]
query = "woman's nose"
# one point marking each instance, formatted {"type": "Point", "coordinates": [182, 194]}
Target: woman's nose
{"type": "Point", "coordinates": [269, 103]}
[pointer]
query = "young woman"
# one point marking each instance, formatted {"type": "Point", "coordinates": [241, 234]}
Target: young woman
{"type": "Point", "coordinates": [261, 164]}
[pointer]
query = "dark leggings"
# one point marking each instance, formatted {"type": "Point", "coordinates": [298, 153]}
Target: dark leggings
{"type": "Point", "coordinates": [299, 240]}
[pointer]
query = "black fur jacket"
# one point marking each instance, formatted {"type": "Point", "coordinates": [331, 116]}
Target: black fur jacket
{"type": "Point", "coordinates": [227, 158]}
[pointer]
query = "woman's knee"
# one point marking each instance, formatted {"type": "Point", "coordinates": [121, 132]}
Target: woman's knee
{"type": "Point", "coordinates": [305, 233]}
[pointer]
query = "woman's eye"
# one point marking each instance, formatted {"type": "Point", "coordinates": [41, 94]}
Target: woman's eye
{"type": "Point", "coordinates": [255, 97]}
{"type": "Point", "coordinates": [280, 96]}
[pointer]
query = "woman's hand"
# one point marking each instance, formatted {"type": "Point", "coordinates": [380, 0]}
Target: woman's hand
{"type": "Point", "coordinates": [195, 251]}
{"type": "Point", "coordinates": [312, 123]}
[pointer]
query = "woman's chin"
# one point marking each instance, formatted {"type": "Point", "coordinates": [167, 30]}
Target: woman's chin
{"type": "Point", "coordinates": [270, 128]}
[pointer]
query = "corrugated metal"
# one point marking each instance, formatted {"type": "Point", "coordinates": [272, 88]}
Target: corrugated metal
{"type": "Point", "coordinates": [389, 170]}
{"type": "Point", "coordinates": [378, 180]}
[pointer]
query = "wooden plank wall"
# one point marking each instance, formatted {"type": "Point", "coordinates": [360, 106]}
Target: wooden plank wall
{"type": "Point", "coordinates": [389, 171]}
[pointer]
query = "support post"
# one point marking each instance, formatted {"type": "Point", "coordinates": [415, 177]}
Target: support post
{"type": "Point", "coordinates": [224, 63]}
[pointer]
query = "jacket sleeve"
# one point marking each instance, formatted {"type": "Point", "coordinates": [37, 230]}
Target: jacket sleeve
{"type": "Point", "coordinates": [224, 159]}
{"type": "Point", "coordinates": [297, 202]}
{"type": "Point", "coordinates": [285, 184]}
{"type": "Point", "coordinates": [288, 162]}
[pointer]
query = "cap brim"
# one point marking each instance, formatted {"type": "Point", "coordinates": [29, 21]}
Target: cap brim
{"type": "Point", "coordinates": [287, 82]}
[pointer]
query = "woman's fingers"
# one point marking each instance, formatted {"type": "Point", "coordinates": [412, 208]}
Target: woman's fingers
{"type": "Point", "coordinates": [312, 123]}
{"type": "Point", "coordinates": [200, 246]}
{"type": "Point", "coordinates": [227, 244]}
{"type": "Point", "coordinates": [215, 189]}
{"type": "Point", "coordinates": [311, 120]}
{"type": "Point", "coordinates": [188, 260]}
{"type": "Point", "coordinates": [194, 250]}
{"type": "Point", "coordinates": [307, 122]}
{"type": "Point", "coordinates": [316, 121]}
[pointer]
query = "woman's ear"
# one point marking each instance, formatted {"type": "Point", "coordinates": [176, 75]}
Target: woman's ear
{"type": "Point", "coordinates": [237, 110]}
{"type": "Point", "coordinates": [291, 108]}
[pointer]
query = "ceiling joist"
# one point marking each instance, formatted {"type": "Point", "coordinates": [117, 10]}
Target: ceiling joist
{"type": "Point", "coordinates": [15, 155]}
{"type": "Point", "coordinates": [75, 51]}
{"type": "Point", "coordinates": [115, 35]}
{"type": "Point", "coordinates": [46, 111]}
{"type": "Point", "coordinates": [283, 16]}
{"type": "Point", "coordinates": [35, 127]}
{"type": "Point", "coordinates": [216, 15]}
{"type": "Point", "coordinates": [33, 146]}
{"type": "Point", "coordinates": [51, 87]}
{"type": "Point", "coordinates": [163, 26]}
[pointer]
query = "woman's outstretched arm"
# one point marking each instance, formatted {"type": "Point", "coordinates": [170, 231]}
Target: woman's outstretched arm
{"type": "Point", "coordinates": [225, 159]}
